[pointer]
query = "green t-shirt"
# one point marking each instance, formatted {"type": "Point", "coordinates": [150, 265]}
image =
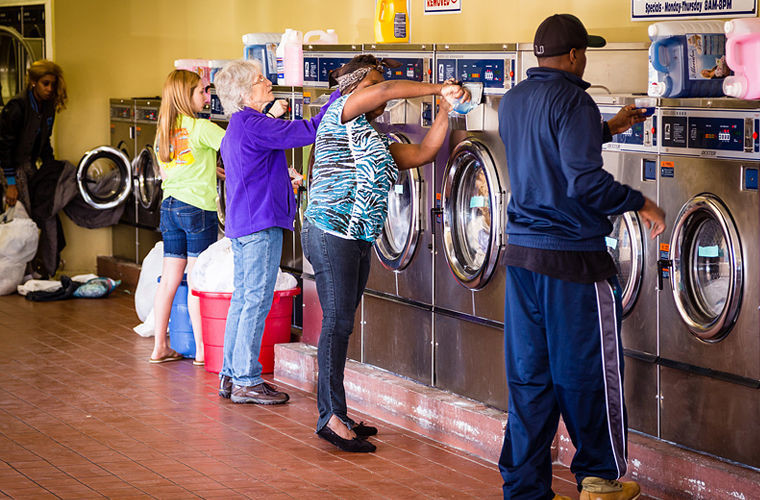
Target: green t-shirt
{"type": "Point", "coordinates": [191, 175]}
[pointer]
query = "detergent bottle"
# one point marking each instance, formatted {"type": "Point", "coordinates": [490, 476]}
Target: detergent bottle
{"type": "Point", "coordinates": [743, 56]}
{"type": "Point", "coordinates": [290, 59]}
{"type": "Point", "coordinates": [391, 21]}
{"type": "Point", "coordinates": [687, 59]}
{"type": "Point", "coordinates": [262, 47]}
{"type": "Point", "coordinates": [329, 37]}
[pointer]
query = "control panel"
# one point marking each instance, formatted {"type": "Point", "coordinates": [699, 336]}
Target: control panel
{"type": "Point", "coordinates": [121, 113]}
{"type": "Point", "coordinates": [407, 65]}
{"type": "Point", "coordinates": [719, 133]}
{"type": "Point", "coordinates": [318, 65]}
{"type": "Point", "coordinates": [640, 137]}
{"type": "Point", "coordinates": [146, 114]}
{"type": "Point", "coordinates": [496, 71]}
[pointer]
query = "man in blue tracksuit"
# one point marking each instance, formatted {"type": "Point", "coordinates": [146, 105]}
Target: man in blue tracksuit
{"type": "Point", "coordinates": [563, 311]}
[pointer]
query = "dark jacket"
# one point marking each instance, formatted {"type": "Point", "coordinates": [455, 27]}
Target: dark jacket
{"type": "Point", "coordinates": [560, 195]}
{"type": "Point", "coordinates": [25, 128]}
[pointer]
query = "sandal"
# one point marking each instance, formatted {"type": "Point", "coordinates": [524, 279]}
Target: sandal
{"type": "Point", "coordinates": [172, 356]}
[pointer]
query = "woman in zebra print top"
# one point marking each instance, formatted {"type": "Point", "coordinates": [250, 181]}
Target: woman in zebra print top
{"type": "Point", "coordinates": [354, 168]}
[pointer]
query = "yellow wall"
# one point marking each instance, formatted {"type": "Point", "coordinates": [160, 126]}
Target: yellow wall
{"type": "Point", "coordinates": [125, 48]}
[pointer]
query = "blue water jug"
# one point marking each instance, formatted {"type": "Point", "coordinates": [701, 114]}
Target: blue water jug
{"type": "Point", "coordinates": [687, 59]}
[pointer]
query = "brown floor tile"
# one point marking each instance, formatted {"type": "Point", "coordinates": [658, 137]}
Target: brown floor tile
{"type": "Point", "coordinates": [83, 415]}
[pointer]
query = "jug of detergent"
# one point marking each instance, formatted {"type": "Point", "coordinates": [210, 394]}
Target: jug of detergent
{"type": "Point", "coordinates": [743, 57]}
{"type": "Point", "coordinates": [262, 47]}
{"type": "Point", "coordinates": [391, 21]}
{"type": "Point", "coordinates": [290, 59]}
{"type": "Point", "coordinates": [687, 59]}
{"type": "Point", "coordinates": [319, 37]}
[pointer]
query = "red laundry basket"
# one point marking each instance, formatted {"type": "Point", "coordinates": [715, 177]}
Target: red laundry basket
{"type": "Point", "coordinates": [214, 307]}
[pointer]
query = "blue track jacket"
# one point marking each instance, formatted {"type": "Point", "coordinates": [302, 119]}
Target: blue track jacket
{"type": "Point", "coordinates": [561, 197]}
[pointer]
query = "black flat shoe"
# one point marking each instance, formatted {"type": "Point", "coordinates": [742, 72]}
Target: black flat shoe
{"type": "Point", "coordinates": [355, 445]}
{"type": "Point", "coordinates": [362, 430]}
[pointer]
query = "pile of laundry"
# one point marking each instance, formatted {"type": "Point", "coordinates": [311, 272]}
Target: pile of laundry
{"type": "Point", "coordinates": [87, 286]}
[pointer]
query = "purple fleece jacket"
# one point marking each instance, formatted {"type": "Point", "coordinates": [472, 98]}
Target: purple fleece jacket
{"type": "Point", "coordinates": [258, 190]}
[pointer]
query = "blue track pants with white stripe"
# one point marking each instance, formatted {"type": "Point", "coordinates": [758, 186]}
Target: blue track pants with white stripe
{"type": "Point", "coordinates": [563, 356]}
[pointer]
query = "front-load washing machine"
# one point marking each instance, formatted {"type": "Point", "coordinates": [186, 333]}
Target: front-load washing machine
{"type": "Point", "coordinates": [319, 61]}
{"type": "Point", "coordinates": [471, 195]}
{"type": "Point", "coordinates": [710, 260]}
{"type": "Point", "coordinates": [104, 176]}
{"type": "Point", "coordinates": [400, 285]}
{"type": "Point", "coordinates": [631, 157]}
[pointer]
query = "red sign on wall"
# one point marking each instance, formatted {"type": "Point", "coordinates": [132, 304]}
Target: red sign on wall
{"type": "Point", "coordinates": [443, 6]}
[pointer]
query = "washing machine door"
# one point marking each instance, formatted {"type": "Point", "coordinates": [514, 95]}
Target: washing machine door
{"type": "Point", "coordinates": [221, 197]}
{"type": "Point", "coordinates": [626, 246]}
{"type": "Point", "coordinates": [148, 177]}
{"type": "Point", "coordinates": [397, 243]}
{"type": "Point", "coordinates": [707, 273]}
{"type": "Point", "coordinates": [472, 201]}
{"type": "Point", "coordinates": [104, 177]}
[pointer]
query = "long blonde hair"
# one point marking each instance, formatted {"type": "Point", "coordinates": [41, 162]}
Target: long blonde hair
{"type": "Point", "coordinates": [176, 100]}
{"type": "Point", "coordinates": [43, 67]}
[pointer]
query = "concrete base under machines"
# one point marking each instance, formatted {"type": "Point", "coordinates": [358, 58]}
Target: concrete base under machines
{"type": "Point", "coordinates": [663, 470]}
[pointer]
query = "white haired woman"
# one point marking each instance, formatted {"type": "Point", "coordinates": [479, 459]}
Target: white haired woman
{"type": "Point", "coordinates": [260, 205]}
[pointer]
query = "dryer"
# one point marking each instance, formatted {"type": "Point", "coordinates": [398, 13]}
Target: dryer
{"type": "Point", "coordinates": [400, 285]}
{"type": "Point", "coordinates": [709, 319]}
{"type": "Point", "coordinates": [632, 159]}
{"type": "Point", "coordinates": [471, 195]}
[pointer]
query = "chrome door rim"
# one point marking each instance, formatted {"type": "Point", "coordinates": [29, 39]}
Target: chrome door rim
{"type": "Point", "coordinates": [141, 186]}
{"type": "Point", "coordinates": [477, 278]}
{"type": "Point", "coordinates": [699, 209]}
{"type": "Point", "coordinates": [388, 258]}
{"type": "Point", "coordinates": [125, 165]}
{"type": "Point", "coordinates": [633, 285]}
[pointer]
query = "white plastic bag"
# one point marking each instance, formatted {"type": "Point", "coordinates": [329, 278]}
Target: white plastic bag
{"type": "Point", "coordinates": [214, 270]}
{"type": "Point", "coordinates": [285, 281]}
{"type": "Point", "coordinates": [19, 237]}
{"type": "Point", "coordinates": [147, 283]}
{"type": "Point", "coordinates": [146, 329]}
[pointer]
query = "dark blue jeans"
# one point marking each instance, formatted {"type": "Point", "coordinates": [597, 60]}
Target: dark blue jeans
{"type": "Point", "coordinates": [341, 268]}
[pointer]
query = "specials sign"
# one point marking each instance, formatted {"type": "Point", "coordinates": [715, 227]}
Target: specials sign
{"type": "Point", "coordinates": [645, 10]}
{"type": "Point", "coordinates": [443, 6]}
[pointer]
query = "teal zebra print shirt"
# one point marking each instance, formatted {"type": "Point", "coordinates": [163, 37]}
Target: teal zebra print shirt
{"type": "Point", "coordinates": [352, 174]}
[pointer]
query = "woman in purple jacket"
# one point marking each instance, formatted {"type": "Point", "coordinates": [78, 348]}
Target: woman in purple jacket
{"type": "Point", "coordinates": [260, 205]}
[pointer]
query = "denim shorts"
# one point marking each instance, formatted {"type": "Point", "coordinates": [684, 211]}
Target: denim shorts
{"type": "Point", "coordinates": [186, 229]}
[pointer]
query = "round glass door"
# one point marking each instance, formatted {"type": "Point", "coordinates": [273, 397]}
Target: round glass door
{"type": "Point", "coordinates": [104, 177]}
{"type": "Point", "coordinates": [221, 199]}
{"type": "Point", "coordinates": [707, 272]}
{"type": "Point", "coordinates": [16, 55]}
{"type": "Point", "coordinates": [626, 246]}
{"type": "Point", "coordinates": [148, 185]}
{"type": "Point", "coordinates": [396, 244]}
{"type": "Point", "coordinates": [472, 203]}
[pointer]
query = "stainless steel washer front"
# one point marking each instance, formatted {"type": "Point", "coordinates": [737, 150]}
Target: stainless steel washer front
{"type": "Point", "coordinates": [104, 177]}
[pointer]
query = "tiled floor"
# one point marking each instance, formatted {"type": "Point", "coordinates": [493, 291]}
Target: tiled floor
{"type": "Point", "coordinates": [83, 415]}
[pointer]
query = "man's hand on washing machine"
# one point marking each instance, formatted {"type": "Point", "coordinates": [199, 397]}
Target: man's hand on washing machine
{"type": "Point", "coordinates": [627, 117]}
{"type": "Point", "coordinates": [279, 108]}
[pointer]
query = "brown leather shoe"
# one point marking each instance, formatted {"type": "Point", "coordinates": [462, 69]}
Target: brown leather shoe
{"type": "Point", "coordinates": [596, 488]}
{"type": "Point", "coordinates": [261, 394]}
{"type": "Point", "coordinates": [225, 387]}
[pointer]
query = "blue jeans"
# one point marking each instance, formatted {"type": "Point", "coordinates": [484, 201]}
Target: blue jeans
{"type": "Point", "coordinates": [257, 259]}
{"type": "Point", "coordinates": [341, 269]}
{"type": "Point", "coordinates": [186, 229]}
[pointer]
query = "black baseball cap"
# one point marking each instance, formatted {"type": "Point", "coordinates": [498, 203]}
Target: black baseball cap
{"type": "Point", "coordinates": [560, 33]}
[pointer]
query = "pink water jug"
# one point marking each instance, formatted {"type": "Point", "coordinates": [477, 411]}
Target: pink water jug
{"type": "Point", "coordinates": [743, 57]}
